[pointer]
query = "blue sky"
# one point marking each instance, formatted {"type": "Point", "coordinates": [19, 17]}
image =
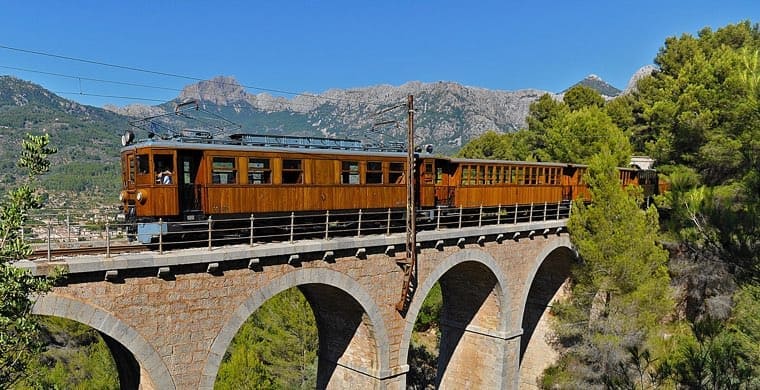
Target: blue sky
{"type": "Point", "coordinates": [312, 46]}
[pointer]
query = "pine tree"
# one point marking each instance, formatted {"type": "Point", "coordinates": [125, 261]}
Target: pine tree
{"type": "Point", "coordinates": [620, 290]}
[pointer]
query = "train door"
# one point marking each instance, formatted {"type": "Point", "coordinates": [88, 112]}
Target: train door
{"type": "Point", "coordinates": [444, 188]}
{"type": "Point", "coordinates": [426, 183]}
{"type": "Point", "coordinates": [568, 182]}
{"type": "Point", "coordinates": [189, 164]}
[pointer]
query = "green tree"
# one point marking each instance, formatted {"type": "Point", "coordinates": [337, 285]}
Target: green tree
{"type": "Point", "coordinates": [19, 339]}
{"type": "Point", "coordinates": [620, 290]}
{"type": "Point", "coordinates": [581, 96]}
{"type": "Point", "coordinates": [275, 348]}
{"type": "Point", "coordinates": [580, 135]}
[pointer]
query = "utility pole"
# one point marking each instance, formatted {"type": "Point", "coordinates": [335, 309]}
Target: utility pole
{"type": "Point", "coordinates": [410, 263]}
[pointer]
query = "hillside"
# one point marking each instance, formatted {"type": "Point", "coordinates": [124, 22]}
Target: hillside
{"type": "Point", "coordinates": [87, 137]}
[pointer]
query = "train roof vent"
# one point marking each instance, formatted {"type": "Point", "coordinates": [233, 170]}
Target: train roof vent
{"type": "Point", "coordinates": [288, 141]}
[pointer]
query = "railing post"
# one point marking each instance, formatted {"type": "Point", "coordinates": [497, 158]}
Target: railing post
{"type": "Point", "coordinates": [559, 207]}
{"type": "Point", "coordinates": [544, 219]}
{"type": "Point", "coordinates": [251, 238]}
{"type": "Point", "coordinates": [460, 217]}
{"type": "Point", "coordinates": [108, 239]}
{"type": "Point", "coordinates": [49, 249]}
{"type": "Point", "coordinates": [160, 236]}
{"type": "Point", "coordinates": [327, 224]}
{"type": "Point", "coordinates": [438, 220]}
{"type": "Point", "coordinates": [517, 205]}
{"type": "Point", "coordinates": [209, 232]}
{"type": "Point", "coordinates": [530, 214]}
{"type": "Point", "coordinates": [480, 216]}
{"type": "Point", "coordinates": [359, 228]}
{"type": "Point", "coordinates": [388, 226]}
{"type": "Point", "coordinates": [498, 216]}
{"type": "Point", "coordinates": [292, 223]}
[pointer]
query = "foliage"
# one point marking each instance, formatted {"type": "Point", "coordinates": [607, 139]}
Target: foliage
{"type": "Point", "coordinates": [581, 96]}
{"type": "Point", "coordinates": [699, 116]}
{"type": "Point", "coordinates": [620, 291]}
{"type": "Point", "coordinates": [430, 310]}
{"type": "Point", "coordinates": [75, 357]}
{"type": "Point", "coordinates": [582, 133]}
{"type": "Point", "coordinates": [19, 340]}
{"type": "Point", "coordinates": [275, 348]}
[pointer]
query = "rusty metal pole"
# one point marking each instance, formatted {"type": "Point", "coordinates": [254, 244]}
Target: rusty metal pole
{"type": "Point", "coordinates": [411, 211]}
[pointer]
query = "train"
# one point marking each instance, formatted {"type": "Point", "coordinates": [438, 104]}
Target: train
{"type": "Point", "coordinates": [170, 182]}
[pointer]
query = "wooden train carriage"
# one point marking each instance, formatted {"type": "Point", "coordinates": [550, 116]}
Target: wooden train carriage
{"type": "Point", "coordinates": [186, 180]}
{"type": "Point", "coordinates": [472, 183]}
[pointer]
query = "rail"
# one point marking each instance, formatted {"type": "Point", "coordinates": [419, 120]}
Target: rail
{"type": "Point", "coordinates": [54, 231]}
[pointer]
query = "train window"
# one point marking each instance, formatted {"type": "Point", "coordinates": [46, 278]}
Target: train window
{"type": "Point", "coordinates": [427, 176]}
{"type": "Point", "coordinates": [143, 164]}
{"type": "Point", "coordinates": [163, 166]}
{"type": "Point", "coordinates": [349, 172]}
{"type": "Point", "coordinates": [481, 174]}
{"type": "Point", "coordinates": [223, 170]}
{"type": "Point", "coordinates": [374, 173]}
{"type": "Point", "coordinates": [396, 173]}
{"type": "Point", "coordinates": [439, 176]}
{"type": "Point", "coordinates": [259, 171]}
{"type": "Point", "coordinates": [465, 175]}
{"type": "Point", "coordinates": [131, 159]}
{"type": "Point", "coordinates": [292, 171]}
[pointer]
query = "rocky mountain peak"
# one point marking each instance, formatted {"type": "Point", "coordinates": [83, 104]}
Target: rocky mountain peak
{"type": "Point", "coordinates": [220, 90]}
{"type": "Point", "coordinates": [601, 86]}
{"type": "Point", "coordinates": [640, 74]}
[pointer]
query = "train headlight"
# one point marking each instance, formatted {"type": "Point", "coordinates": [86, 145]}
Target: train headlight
{"type": "Point", "coordinates": [122, 196]}
{"type": "Point", "coordinates": [141, 196]}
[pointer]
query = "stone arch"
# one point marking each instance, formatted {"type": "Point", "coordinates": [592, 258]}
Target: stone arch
{"type": "Point", "coordinates": [467, 260]}
{"type": "Point", "coordinates": [334, 281]}
{"type": "Point", "coordinates": [124, 342]}
{"type": "Point", "coordinates": [544, 283]}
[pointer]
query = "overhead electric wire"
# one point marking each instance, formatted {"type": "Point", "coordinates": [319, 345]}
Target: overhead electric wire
{"type": "Point", "coordinates": [143, 70]}
{"type": "Point", "coordinates": [89, 78]}
{"type": "Point", "coordinates": [80, 78]}
{"type": "Point", "coordinates": [108, 96]}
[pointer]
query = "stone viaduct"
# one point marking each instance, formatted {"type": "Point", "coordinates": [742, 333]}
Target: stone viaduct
{"type": "Point", "coordinates": [169, 318]}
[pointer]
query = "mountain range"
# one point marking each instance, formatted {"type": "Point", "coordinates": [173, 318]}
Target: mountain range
{"type": "Point", "coordinates": [447, 115]}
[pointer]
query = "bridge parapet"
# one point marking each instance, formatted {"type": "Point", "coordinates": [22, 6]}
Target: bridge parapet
{"type": "Point", "coordinates": [258, 255]}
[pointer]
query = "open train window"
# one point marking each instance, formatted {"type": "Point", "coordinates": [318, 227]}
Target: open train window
{"type": "Point", "coordinates": [349, 173]}
{"type": "Point", "coordinates": [292, 171]}
{"type": "Point", "coordinates": [259, 171]}
{"type": "Point", "coordinates": [396, 173]}
{"type": "Point", "coordinates": [223, 170]}
{"type": "Point", "coordinates": [163, 166]}
{"type": "Point", "coordinates": [374, 173]}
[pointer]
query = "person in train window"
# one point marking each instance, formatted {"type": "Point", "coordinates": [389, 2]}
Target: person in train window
{"type": "Point", "coordinates": [166, 177]}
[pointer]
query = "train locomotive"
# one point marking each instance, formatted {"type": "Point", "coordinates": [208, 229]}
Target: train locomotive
{"type": "Point", "coordinates": [193, 175]}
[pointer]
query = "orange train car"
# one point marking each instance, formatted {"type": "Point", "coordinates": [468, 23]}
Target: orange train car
{"type": "Point", "coordinates": [193, 175]}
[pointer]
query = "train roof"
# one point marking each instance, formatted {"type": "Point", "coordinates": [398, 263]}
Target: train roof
{"type": "Point", "coordinates": [203, 140]}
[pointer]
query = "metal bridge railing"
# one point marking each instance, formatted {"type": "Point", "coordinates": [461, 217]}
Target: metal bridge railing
{"type": "Point", "coordinates": [54, 230]}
